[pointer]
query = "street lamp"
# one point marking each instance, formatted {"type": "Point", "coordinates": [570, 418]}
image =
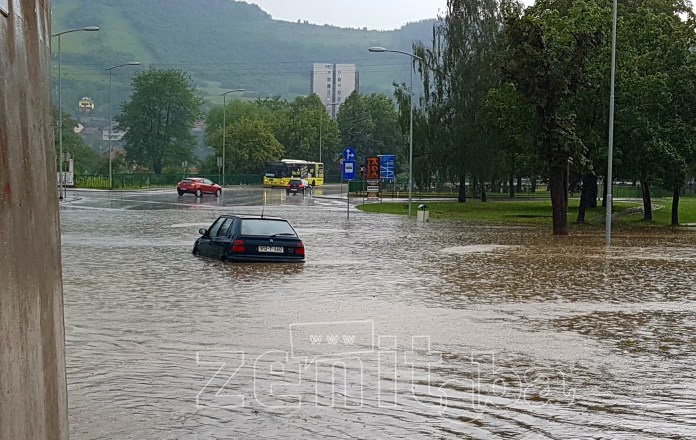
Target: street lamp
{"type": "Point", "coordinates": [110, 69]}
{"type": "Point", "coordinates": [60, 102]}
{"type": "Point", "coordinates": [410, 131]}
{"type": "Point", "coordinates": [224, 127]}
{"type": "Point", "coordinates": [321, 121]}
{"type": "Point", "coordinates": [610, 149]}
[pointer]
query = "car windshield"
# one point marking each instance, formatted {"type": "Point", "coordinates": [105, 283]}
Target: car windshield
{"type": "Point", "coordinates": [266, 227]}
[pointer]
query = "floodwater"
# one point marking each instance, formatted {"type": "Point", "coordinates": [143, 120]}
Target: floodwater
{"type": "Point", "coordinates": [391, 329]}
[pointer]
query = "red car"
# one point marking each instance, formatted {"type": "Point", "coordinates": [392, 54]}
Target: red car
{"type": "Point", "coordinates": [198, 186]}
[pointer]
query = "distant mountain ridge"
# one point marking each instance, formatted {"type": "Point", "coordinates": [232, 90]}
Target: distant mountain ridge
{"type": "Point", "coordinates": [223, 44]}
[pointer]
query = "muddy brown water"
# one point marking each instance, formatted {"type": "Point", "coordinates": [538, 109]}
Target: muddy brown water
{"type": "Point", "coordinates": [391, 329]}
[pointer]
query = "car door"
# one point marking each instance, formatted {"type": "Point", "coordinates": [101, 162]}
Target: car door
{"type": "Point", "coordinates": [221, 240]}
{"type": "Point", "coordinates": [205, 242]}
{"type": "Point", "coordinates": [208, 186]}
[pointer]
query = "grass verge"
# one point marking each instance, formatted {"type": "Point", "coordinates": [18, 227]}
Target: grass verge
{"type": "Point", "coordinates": [626, 214]}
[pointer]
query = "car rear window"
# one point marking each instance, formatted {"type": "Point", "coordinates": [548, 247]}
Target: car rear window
{"type": "Point", "coordinates": [266, 227]}
{"type": "Point", "coordinates": [295, 181]}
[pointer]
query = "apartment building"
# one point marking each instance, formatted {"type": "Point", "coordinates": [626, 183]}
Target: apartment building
{"type": "Point", "coordinates": [333, 83]}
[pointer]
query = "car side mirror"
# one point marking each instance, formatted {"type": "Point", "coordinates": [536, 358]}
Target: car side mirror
{"type": "Point", "coordinates": [203, 231]}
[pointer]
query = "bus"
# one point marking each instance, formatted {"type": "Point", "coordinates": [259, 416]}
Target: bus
{"type": "Point", "coordinates": [279, 173]}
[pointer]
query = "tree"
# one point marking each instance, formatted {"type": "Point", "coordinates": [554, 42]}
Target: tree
{"type": "Point", "coordinates": [546, 57]}
{"type": "Point", "coordinates": [355, 122]}
{"type": "Point", "coordinates": [657, 83]}
{"type": "Point", "coordinates": [370, 123]}
{"type": "Point", "coordinates": [458, 70]}
{"type": "Point", "coordinates": [304, 126]}
{"type": "Point", "coordinates": [158, 118]}
{"type": "Point", "coordinates": [386, 137]}
{"type": "Point", "coordinates": [250, 144]}
{"type": "Point", "coordinates": [512, 123]}
{"type": "Point", "coordinates": [86, 160]}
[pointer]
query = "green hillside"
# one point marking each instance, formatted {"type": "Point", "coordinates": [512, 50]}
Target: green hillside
{"type": "Point", "coordinates": [223, 44]}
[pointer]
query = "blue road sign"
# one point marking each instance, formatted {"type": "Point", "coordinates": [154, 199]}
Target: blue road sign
{"type": "Point", "coordinates": [349, 168]}
{"type": "Point", "coordinates": [349, 153]}
{"type": "Point", "coordinates": [386, 167]}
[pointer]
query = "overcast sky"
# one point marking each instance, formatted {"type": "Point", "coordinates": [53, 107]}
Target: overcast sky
{"type": "Point", "coordinates": [373, 14]}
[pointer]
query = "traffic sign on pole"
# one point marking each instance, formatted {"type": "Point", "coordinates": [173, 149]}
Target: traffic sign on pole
{"type": "Point", "coordinates": [349, 153]}
{"type": "Point", "coordinates": [349, 168]}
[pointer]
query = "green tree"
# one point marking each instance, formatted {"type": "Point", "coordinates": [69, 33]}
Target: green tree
{"type": "Point", "coordinates": [371, 125]}
{"type": "Point", "coordinates": [86, 160]}
{"type": "Point", "coordinates": [512, 124]}
{"type": "Point", "coordinates": [546, 58]}
{"type": "Point", "coordinates": [158, 118]}
{"type": "Point", "coordinates": [302, 126]}
{"type": "Point", "coordinates": [250, 144]}
{"type": "Point", "coordinates": [655, 83]}
{"type": "Point", "coordinates": [387, 137]}
{"type": "Point", "coordinates": [458, 70]}
{"type": "Point", "coordinates": [355, 122]}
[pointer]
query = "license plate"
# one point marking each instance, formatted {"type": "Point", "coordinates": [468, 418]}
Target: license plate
{"type": "Point", "coordinates": [273, 249]}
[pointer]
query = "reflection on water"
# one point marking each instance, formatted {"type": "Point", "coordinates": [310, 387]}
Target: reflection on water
{"type": "Point", "coordinates": [457, 330]}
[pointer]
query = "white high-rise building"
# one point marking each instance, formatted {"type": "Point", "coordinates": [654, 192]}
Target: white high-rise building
{"type": "Point", "coordinates": [333, 83]}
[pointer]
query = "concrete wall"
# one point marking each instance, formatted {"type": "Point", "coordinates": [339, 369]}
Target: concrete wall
{"type": "Point", "coordinates": [33, 395]}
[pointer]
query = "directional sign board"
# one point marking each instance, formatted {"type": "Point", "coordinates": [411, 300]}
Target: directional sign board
{"type": "Point", "coordinates": [349, 154]}
{"type": "Point", "coordinates": [4, 7]}
{"type": "Point", "coordinates": [349, 169]}
{"type": "Point", "coordinates": [387, 167]}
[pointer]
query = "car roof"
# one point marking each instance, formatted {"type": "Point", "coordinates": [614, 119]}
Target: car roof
{"type": "Point", "coordinates": [251, 217]}
{"type": "Point", "coordinates": [193, 178]}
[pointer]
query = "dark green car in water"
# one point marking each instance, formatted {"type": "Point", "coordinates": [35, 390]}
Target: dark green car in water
{"type": "Point", "coordinates": [250, 239]}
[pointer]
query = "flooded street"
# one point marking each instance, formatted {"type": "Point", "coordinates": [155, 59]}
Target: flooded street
{"type": "Point", "coordinates": [391, 329]}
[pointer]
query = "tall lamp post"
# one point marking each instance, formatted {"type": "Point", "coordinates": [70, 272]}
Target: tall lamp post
{"type": "Point", "coordinates": [60, 102]}
{"type": "Point", "coordinates": [224, 127]}
{"type": "Point", "coordinates": [610, 149]}
{"type": "Point", "coordinates": [110, 69]}
{"type": "Point", "coordinates": [321, 123]}
{"type": "Point", "coordinates": [410, 130]}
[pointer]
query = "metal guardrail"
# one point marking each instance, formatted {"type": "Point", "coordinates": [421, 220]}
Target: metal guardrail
{"type": "Point", "coordinates": [620, 191]}
{"type": "Point", "coordinates": [141, 180]}
{"type": "Point", "coordinates": [138, 180]}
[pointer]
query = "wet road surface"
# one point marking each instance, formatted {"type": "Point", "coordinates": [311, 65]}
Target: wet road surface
{"type": "Point", "coordinates": [391, 329]}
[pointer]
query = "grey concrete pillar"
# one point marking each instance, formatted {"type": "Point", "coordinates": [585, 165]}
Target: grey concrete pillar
{"type": "Point", "coordinates": [33, 392]}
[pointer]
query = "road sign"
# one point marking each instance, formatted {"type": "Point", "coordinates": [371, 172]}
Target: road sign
{"type": "Point", "coordinates": [387, 167]}
{"type": "Point", "coordinates": [349, 154]}
{"type": "Point", "coordinates": [349, 169]}
{"type": "Point", "coordinates": [372, 171]}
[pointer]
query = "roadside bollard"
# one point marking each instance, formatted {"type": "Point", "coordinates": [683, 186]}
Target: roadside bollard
{"type": "Point", "coordinates": [423, 215]}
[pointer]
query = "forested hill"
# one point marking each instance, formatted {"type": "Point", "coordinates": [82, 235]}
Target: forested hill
{"type": "Point", "coordinates": [223, 44]}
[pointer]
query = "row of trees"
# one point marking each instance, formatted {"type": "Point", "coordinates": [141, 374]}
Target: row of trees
{"type": "Point", "coordinates": [270, 129]}
{"type": "Point", "coordinates": [512, 92]}
{"type": "Point", "coordinates": [164, 106]}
